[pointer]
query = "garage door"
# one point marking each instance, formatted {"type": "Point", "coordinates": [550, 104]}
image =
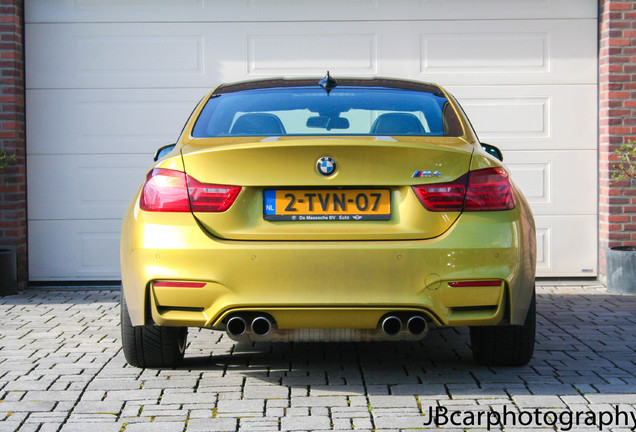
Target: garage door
{"type": "Point", "coordinates": [110, 81]}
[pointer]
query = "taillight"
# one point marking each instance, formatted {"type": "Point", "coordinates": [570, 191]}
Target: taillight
{"type": "Point", "coordinates": [174, 191]}
{"type": "Point", "coordinates": [206, 197]}
{"type": "Point", "coordinates": [485, 189]}
{"type": "Point", "coordinates": [442, 197]}
{"type": "Point", "coordinates": [165, 191]}
{"type": "Point", "coordinates": [489, 189]}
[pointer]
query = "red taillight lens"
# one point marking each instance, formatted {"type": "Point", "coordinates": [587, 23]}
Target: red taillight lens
{"type": "Point", "coordinates": [174, 191]}
{"type": "Point", "coordinates": [443, 196]}
{"type": "Point", "coordinates": [210, 197]}
{"type": "Point", "coordinates": [165, 191]}
{"type": "Point", "coordinates": [489, 189]}
{"type": "Point", "coordinates": [486, 189]}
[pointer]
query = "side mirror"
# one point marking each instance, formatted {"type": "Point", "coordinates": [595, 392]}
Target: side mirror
{"type": "Point", "coordinates": [163, 151]}
{"type": "Point", "coordinates": [492, 151]}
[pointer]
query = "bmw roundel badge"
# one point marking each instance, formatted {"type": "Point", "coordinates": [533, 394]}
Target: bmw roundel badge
{"type": "Point", "coordinates": [326, 166]}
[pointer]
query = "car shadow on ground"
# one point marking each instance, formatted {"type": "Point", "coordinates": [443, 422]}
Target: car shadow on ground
{"type": "Point", "coordinates": [584, 344]}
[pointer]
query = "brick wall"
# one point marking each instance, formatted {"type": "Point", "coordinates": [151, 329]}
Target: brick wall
{"type": "Point", "coordinates": [617, 122]}
{"type": "Point", "coordinates": [13, 217]}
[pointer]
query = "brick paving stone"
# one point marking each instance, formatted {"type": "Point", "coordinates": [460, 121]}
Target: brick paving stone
{"type": "Point", "coordinates": [188, 398]}
{"type": "Point", "coordinates": [319, 401]}
{"type": "Point", "coordinates": [265, 392]}
{"type": "Point", "coordinates": [299, 391]}
{"type": "Point", "coordinates": [92, 417]}
{"type": "Point", "coordinates": [201, 413]}
{"type": "Point", "coordinates": [274, 412]}
{"type": "Point", "coordinates": [361, 423]}
{"type": "Point", "coordinates": [50, 427]}
{"type": "Point", "coordinates": [114, 385]}
{"type": "Point", "coordinates": [417, 389]}
{"type": "Point", "coordinates": [98, 407]}
{"type": "Point", "coordinates": [163, 383]}
{"type": "Point", "coordinates": [308, 423]}
{"type": "Point", "coordinates": [241, 406]}
{"type": "Point", "coordinates": [22, 406]}
{"type": "Point", "coordinates": [400, 421]}
{"type": "Point", "coordinates": [619, 398]}
{"type": "Point", "coordinates": [295, 412]}
{"type": "Point", "coordinates": [156, 427]}
{"type": "Point", "coordinates": [88, 426]}
{"type": "Point", "coordinates": [349, 412]}
{"type": "Point", "coordinates": [46, 417]}
{"type": "Point", "coordinates": [259, 424]}
{"type": "Point", "coordinates": [336, 390]}
{"type": "Point", "coordinates": [10, 425]}
{"type": "Point", "coordinates": [51, 396]}
{"type": "Point", "coordinates": [542, 401]}
{"type": "Point", "coordinates": [341, 424]}
{"type": "Point", "coordinates": [319, 411]}
{"type": "Point", "coordinates": [213, 425]}
{"type": "Point", "coordinates": [392, 402]}
{"type": "Point", "coordinates": [234, 395]}
{"type": "Point", "coordinates": [26, 385]}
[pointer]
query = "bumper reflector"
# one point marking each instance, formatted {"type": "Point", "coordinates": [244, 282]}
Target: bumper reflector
{"type": "Point", "coordinates": [474, 284]}
{"type": "Point", "coordinates": [167, 284]}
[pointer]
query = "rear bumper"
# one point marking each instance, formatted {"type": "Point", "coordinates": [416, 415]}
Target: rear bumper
{"type": "Point", "coordinates": [328, 284]}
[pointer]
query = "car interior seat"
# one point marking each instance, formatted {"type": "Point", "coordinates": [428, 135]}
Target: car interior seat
{"type": "Point", "coordinates": [258, 124]}
{"type": "Point", "coordinates": [397, 124]}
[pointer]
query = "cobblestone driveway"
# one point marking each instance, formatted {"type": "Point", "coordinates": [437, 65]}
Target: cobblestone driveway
{"type": "Point", "coordinates": [62, 368]}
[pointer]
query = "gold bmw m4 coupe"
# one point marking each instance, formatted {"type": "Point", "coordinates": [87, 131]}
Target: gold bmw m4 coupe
{"type": "Point", "coordinates": [328, 210]}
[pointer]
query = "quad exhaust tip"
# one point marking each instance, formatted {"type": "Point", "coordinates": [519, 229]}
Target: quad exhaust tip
{"type": "Point", "coordinates": [236, 326]}
{"type": "Point", "coordinates": [261, 326]}
{"type": "Point", "coordinates": [391, 325]}
{"type": "Point", "coordinates": [417, 325]}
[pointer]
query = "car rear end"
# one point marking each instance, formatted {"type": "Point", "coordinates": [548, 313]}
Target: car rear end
{"type": "Point", "coordinates": [328, 236]}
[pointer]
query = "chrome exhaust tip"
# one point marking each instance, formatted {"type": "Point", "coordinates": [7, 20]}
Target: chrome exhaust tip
{"type": "Point", "coordinates": [236, 326]}
{"type": "Point", "coordinates": [261, 326]}
{"type": "Point", "coordinates": [417, 325]}
{"type": "Point", "coordinates": [391, 325]}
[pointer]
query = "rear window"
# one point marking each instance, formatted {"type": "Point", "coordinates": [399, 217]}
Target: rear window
{"type": "Point", "coordinates": [308, 111]}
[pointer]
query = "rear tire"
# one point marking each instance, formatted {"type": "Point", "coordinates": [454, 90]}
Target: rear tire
{"type": "Point", "coordinates": [151, 345]}
{"type": "Point", "coordinates": [510, 345]}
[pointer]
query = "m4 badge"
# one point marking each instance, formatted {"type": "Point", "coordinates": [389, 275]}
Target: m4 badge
{"type": "Point", "coordinates": [427, 174]}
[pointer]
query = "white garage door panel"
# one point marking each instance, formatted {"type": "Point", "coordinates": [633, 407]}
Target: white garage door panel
{"type": "Point", "coordinates": [197, 55]}
{"type": "Point", "coordinates": [117, 55]}
{"type": "Point", "coordinates": [107, 121]}
{"type": "Point", "coordinates": [280, 54]}
{"type": "Point", "coordinates": [532, 117]}
{"type": "Point", "coordinates": [556, 182]}
{"type": "Point", "coordinates": [78, 249]}
{"type": "Point", "coordinates": [283, 10]}
{"type": "Point", "coordinates": [509, 52]}
{"type": "Point", "coordinates": [563, 245]}
{"type": "Point", "coordinates": [84, 186]}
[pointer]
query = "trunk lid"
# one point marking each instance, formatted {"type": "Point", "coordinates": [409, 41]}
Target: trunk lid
{"type": "Point", "coordinates": [365, 166]}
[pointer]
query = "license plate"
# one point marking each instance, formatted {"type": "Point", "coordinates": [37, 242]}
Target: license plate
{"type": "Point", "coordinates": [327, 205]}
